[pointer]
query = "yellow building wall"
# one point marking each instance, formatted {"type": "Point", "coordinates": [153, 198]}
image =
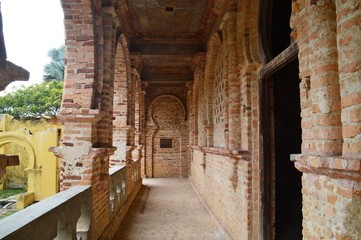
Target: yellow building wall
{"type": "Point", "coordinates": [31, 140]}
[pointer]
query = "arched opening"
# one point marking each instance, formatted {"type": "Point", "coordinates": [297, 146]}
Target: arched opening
{"type": "Point", "coordinates": [16, 177]}
{"type": "Point", "coordinates": [281, 185]}
{"type": "Point", "coordinates": [168, 145]}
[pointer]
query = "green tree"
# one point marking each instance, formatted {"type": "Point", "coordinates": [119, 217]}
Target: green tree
{"type": "Point", "coordinates": [34, 101]}
{"type": "Point", "coordinates": [55, 69]}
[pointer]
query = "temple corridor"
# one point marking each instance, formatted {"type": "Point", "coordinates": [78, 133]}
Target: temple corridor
{"type": "Point", "coordinates": [168, 208]}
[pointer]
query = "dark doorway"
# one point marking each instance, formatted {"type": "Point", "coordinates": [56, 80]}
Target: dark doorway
{"type": "Point", "coordinates": [280, 125]}
{"type": "Point", "coordinates": [287, 140]}
{"type": "Point", "coordinates": [287, 133]}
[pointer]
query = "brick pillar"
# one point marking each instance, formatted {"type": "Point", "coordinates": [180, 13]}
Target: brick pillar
{"type": "Point", "coordinates": [84, 164]}
{"type": "Point", "coordinates": [209, 76]}
{"type": "Point", "coordinates": [191, 109]}
{"type": "Point", "coordinates": [123, 136]}
{"type": "Point", "coordinates": [137, 112]}
{"type": "Point", "coordinates": [209, 134]}
{"type": "Point", "coordinates": [149, 150]}
{"type": "Point", "coordinates": [86, 105]}
{"type": "Point", "coordinates": [198, 104]}
{"type": "Point", "coordinates": [348, 27]}
{"type": "Point", "coordinates": [331, 186]}
{"type": "Point", "coordinates": [142, 132]}
{"type": "Point", "coordinates": [233, 80]}
{"type": "Point", "coordinates": [142, 119]}
{"type": "Point", "coordinates": [195, 111]}
{"type": "Point", "coordinates": [129, 164]}
{"type": "Point", "coordinates": [105, 86]}
{"type": "Point", "coordinates": [321, 107]}
{"type": "Point", "coordinates": [248, 86]}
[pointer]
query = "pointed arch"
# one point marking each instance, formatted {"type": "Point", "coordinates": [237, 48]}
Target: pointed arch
{"type": "Point", "coordinates": [122, 78]}
{"type": "Point", "coordinates": [212, 54]}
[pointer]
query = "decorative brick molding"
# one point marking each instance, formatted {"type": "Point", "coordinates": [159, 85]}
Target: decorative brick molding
{"type": "Point", "coordinates": [334, 167]}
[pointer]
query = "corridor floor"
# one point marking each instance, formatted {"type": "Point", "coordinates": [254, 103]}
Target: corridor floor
{"type": "Point", "coordinates": [168, 209]}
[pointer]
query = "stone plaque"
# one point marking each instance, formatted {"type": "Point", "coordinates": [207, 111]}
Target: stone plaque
{"type": "Point", "coordinates": [166, 143]}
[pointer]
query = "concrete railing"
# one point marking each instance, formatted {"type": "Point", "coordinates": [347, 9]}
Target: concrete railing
{"type": "Point", "coordinates": [136, 171]}
{"type": "Point", "coordinates": [117, 188]}
{"type": "Point", "coordinates": [125, 182]}
{"type": "Point", "coordinates": [66, 215]}
{"type": "Point", "coordinates": [118, 185]}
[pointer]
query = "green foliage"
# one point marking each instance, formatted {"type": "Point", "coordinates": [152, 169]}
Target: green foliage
{"type": "Point", "coordinates": [55, 69]}
{"type": "Point", "coordinates": [34, 101]}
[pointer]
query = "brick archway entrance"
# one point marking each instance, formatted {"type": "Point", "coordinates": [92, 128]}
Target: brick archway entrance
{"type": "Point", "coordinates": [167, 134]}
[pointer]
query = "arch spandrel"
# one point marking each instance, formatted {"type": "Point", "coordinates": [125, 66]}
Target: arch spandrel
{"type": "Point", "coordinates": [173, 116]}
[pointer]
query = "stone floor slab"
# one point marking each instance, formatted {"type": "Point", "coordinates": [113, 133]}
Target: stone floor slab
{"type": "Point", "coordinates": [168, 209]}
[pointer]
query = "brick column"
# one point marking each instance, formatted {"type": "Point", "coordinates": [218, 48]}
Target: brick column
{"type": "Point", "coordinates": [209, 134]}
{"type": "Point", "coordinates": [328, 65]}
{"type": "Point", "coordinates": [86, 106]}
{"type": "Point", "coordinates": [105, 86]}
{"type": "Point", "coordinates": [320, 98]}
{"type": "Point", "coordinates": [191, 110]}
{"type": "Point", "coordinates": [129, 163]}
{"type": "Point", "coordinates": [124, 137]}
{"type": "Point", "coordinates": [142, 118]}
{"type": "Point", "coordinates": [233, 80]}
{"type": "Point", "coordinates": [137, 111]}
{"type": "Point", "coordinates": [198, 103]}
{"type": "Point", "coordinates": [349, 40]}
{"type": "Point", "coordinates": [247, 101]}
{"type": "Point", "coordinates": [212, 52]}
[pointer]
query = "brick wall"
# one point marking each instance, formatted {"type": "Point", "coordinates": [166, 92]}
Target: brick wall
{"type": "Point", "coordinates": [336, 206]}
{"type": "Point", "coordinates": [93, 51]}
{"type": "Point", "coordinates": [224, 184]}
{"type": "Point", "coordinates": [225, 162]}
{"type": "Point", "coordinates": [166, 121]}
{"type": "Point", "coordinates": [222, 108]}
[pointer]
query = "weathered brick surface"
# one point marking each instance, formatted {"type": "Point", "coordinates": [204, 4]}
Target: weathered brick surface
{"type": "Point", "coordinates": [167, 120]}
{"type": "Point", "coordinates": [212, 173]}
{"type": "Point", "coordinates": [320, 90]}
{"type": "Point", "coordinates": [334, 204]}
{"type": "Point", "coordinates": [87, 109]}
{"type": "Point", "coordinates": [227, 103]}
{"type": "Point", "coordinates": [105, 104]}
{"type": "Point", "coordinates": [348, 39]}
{"type": "Point", "coordinates": [326, 32]}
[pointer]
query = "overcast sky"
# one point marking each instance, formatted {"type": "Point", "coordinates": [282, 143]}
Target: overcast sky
{"type": "Point", "coordinates": [31, 28]}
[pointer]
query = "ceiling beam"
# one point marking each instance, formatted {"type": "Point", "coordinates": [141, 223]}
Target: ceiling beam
{"type": "Point", "coordinates": [167, 49]}
{"type": "Point", "coordinates": [167, 77]}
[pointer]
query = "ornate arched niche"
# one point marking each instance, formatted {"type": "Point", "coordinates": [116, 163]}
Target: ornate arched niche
{"type": "Point", "coordinates": [167, 138]}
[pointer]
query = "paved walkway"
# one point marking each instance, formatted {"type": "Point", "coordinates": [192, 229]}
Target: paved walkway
{"type": "Point", "coordinates": [168, 209]}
